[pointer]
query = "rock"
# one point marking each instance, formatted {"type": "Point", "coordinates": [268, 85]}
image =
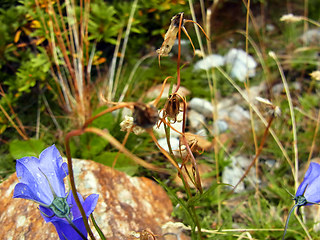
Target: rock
{"type": "Point", "coordinates": [222, 126]}
{"type": "Point", "coordinates": [201, 106]}
{"type": "Point", "coordinates": [277, 89]}
{"type": "Point", "coordinates": [154, 91]}
{"type": "Point", "coordinates": [233, 173]}
{"type": "Point", "coordinates": [225, 103]}
{"type": "Point", "coordinates": [202, 132]}
{"type": "Point", "coordinates": [241, 64]}
{"type": "Point", "coordinates": [270, 28]}
{"type": "Point", "coordinates": [125, 204]}
{"type": "Point", "coordinates": [311, 37]}
{"type": "Point", "coordinates": [238, 114]}
{"type": "Point", "coordinates": [160, 131]}
{"type": "Point", "coordinates": [252, 93]}
{"type": "Point", "coordinates": [213, 60]}
{"type": "Point", "coordinates": [124, 112]}
{"type": "Point", "coordinates": [196, 120]}
{"type": "Point", "coordinates": [174, 142]}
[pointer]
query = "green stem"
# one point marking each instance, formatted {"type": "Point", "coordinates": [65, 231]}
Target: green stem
{"type": "Point", "coordinates": [287, 221]}
{"type": "Point", "coordinates": [97, 227]}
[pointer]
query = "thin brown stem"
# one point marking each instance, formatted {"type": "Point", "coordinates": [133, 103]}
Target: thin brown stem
{"type": "Point", "coordinates": [179, 54]}
{"type": "Point", "coordinates": [120, 105]}
{"type": "Point", "coordinates": [72, 182]}
{"type": "Point", "coordinates": [123, 145]}
{"type": "Point", "coordinates": [106, 135]}
{"type": "Point", "coordinates": [257, 154]}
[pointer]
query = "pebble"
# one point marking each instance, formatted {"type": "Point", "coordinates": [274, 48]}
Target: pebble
{"type": "Point", "coordinates": [241, 64]}
{"type": "Point", "coordinates": [201, 106]}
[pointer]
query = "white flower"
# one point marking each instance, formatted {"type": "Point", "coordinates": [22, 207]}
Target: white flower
{"type": "Point", "coordinates": [315, 75]}
{"type": "Point", "coordinates": [290, 18]}
{"type": "Point", "coordinates": [127, 125]}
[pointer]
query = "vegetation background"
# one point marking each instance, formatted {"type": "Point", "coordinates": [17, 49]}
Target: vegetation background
{"type": "Point", "coordinates": [60, 61]}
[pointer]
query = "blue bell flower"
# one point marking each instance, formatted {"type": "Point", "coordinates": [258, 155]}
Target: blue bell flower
{"type": "Point", "coordinates": [41, 180]}
{"type": "Point", "coordinates": [308, 191]}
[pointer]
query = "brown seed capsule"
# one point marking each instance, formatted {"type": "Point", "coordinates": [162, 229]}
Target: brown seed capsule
{"type": "Point", "coordinates": [145, 116]}
{"type": "Point", "coordinates": [172, 107]}
{"type": "Point", "coordinates": [147, 235]}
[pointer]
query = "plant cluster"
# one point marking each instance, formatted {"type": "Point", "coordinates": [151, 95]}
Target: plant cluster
{"type": "Point", "coordinates": [57, 51]}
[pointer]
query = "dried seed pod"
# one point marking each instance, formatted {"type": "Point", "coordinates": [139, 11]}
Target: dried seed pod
{"type": "Point", "coordinates": [172, 107]}
{"type": "Point", "coordinates": [143, 235]}
{"type": "Point", "coordinates": [145, 116]}
{"type": "Point", "coordinates": [147, 235]}
{"type": "Point", "coordinates": [171, 35]}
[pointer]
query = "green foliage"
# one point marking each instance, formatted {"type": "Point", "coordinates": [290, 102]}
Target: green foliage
{"type": "Point", "coordinates": [309, 101]}
{"type": "Point", "coordinates": [31, 147]}
{"type": "Point", "coordinates": [123, 163]}
{"type": "Point", "coordinates": [103, 23]}
{"type": "Point", "coordinates": [7, 164]}
{"type": "Point", "coordinates": [29, 73]}
{"type": "Point", "coordinates": [24, 65]}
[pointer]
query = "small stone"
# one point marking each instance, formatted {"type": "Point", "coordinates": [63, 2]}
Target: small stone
{"type": "Point", "coordinates": [238, 114]}
{"type": "Point", "coordinates": [174, 142]}
{"type": "Point", "coordinates": [233, 173]}
{"type": "Point", "coordinates": [123, 111]}
{"type": "Point", "coordinates": [277, 89]}
{"type": "Point", "coordinates": [213, 60]}
{"type": "Point", "coordinates": [241, 64]}
{"type": "Point", "coordinates": [311, 37]}
{"type": "Point", "coordinates": [222, 126]}
{"type": "Point", "coordinates": [201, 106]}
{"type": "Point", "coordinates": [155, 91]}
{"type": "Point", "coordinates": [196, 120]}
{"type": "Point", "coordinates": [160, 131]}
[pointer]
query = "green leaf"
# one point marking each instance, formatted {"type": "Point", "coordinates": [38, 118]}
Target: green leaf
{"type": "Point", "coordinates": [105, 121]}
{"type": "Point", "coordinates": [19, 149]}
{"type": "Point", "coordinates": [91, 145]}
{"type": "Point", "coordinates": [123, 164]}
{"type": "Point", "coordinates": [193, 201]}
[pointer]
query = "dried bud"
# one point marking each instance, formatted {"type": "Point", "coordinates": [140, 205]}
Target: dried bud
{"type": "Point", "coordinates": [170, 35]}
{"type": "Point", "coordinates": [172, 107]}
{"type": "Point", "coordinates": [145, 116]}
{"type": "Point", "coordinates": [271, 108]}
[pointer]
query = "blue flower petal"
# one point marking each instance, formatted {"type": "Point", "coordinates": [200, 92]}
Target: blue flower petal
{"type": "Point", "coordinates": [312, 193]}
{"type": "Point", "coordinates": [90, 203]}
{"type": "Point", "coordinates": [62, 226]}
{"type": "Point", "coordinates": [29, 174]}
{"type": "Point", "coordinates": [309, 187]}
{"type": "Point", "coordinates": [23, 190]}
{"type": "Point", "coordinates": [74, 210]}
{"type": "Point", "coordinates": [48, 212]}
{"type": "Point", "coordinates": [37, 173]}
{"type": "Point", "coordinates": [52, 165]}
{"type": "Point", "coordinates": [66, 232]}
